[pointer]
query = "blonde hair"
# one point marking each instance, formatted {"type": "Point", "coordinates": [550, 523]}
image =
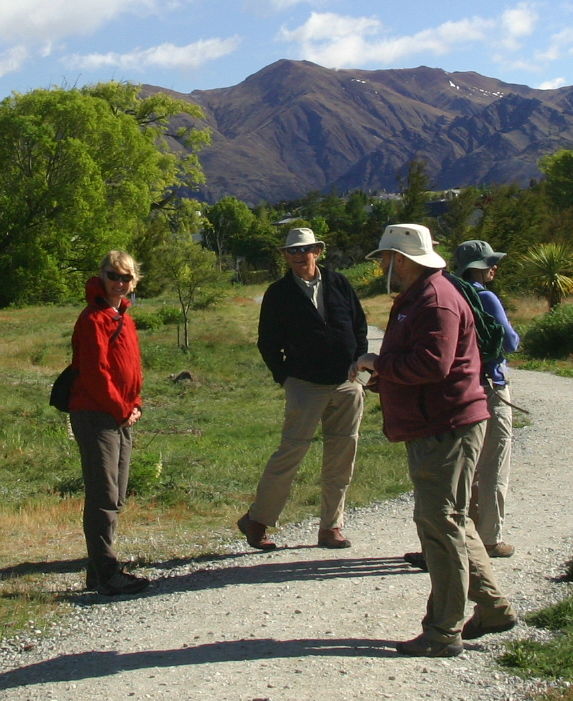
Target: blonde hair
{"type": "Point", "coordinates": [121, 260]}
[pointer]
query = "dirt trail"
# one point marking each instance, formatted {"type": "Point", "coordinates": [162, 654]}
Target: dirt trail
{"type": "Point", "coordinates": [303, 623]}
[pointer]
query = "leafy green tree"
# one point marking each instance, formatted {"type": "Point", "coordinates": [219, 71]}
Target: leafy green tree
{"type": "Point", "coordinates": [549, 269]}
{"type": "Point", "coordinates": [558, 171]}
{"type": "Point", "coordinates": [79, 171]}
{"type": "Point", "coordinates": [192, 273]}
{"type": "Point", "coordinates": [177, 218]}
{"type": "Point", "coordinates": [459, 221]}
{"type": "Point", "coordinates": [229, 218]}
{"type": "Point", "coordinates": [414, 188]}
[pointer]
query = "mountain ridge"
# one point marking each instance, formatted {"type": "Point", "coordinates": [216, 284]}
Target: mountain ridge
{"type": "Point", "coordinates": [295, 127]}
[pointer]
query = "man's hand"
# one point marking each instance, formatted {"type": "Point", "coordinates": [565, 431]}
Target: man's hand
{"type": "Point", "coordinates": [364, 362]}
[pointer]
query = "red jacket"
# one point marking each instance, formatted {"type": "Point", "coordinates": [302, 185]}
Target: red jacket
{"type": "Point", "coordinates": [109, 368]}
{"type": "Point", "coordinates": [429, 364]}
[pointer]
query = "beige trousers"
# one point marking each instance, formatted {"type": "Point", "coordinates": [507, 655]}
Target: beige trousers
{"type": "Point", "coordinates": [491, 480]}
{"type": "Point", "coordinates": [339, 409]}
{"type": "Point", "coordinates": [442, 469]}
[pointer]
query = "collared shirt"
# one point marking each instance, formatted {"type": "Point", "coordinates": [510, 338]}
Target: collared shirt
{"type": "Point", "coordinates": [313, 290]}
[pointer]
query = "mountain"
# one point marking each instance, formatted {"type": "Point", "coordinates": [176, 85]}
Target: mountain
{"type": "Point", "coordinates": [296, 127]}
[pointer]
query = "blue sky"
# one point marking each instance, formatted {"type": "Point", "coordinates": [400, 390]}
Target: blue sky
{"type": "Point", "coordinates": [186, 45]}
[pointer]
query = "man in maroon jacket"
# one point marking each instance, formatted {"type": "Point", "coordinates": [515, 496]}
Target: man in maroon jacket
{"type": "Point", "coordinates": [428, 378]}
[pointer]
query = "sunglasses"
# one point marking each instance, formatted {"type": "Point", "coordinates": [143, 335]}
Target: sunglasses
{"type": "Point", "coordinates": [116, 277]}
{"type": "Point", "coordinates": [293, 250]}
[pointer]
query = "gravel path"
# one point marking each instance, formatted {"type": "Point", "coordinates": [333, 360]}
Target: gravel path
{"type": "Point", "coordinates": [303, 623]}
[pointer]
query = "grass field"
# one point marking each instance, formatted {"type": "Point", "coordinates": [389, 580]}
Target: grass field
{"type": "Point", "coordinates": [198, 450]}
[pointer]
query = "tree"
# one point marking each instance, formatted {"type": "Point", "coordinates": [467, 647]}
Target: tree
{"type": "Point", "coordinates": [414, 190]}
{"type": "Point", "coordinates": [549, 268]}
{"type": "Point", "coordinates": [228, 218]}
{"type": "Point", "coordinates": [558, 171]}
{"type": "Point", "coordinates": [79, 170]}
{"type": "Point", "coordinates": [192, 272]}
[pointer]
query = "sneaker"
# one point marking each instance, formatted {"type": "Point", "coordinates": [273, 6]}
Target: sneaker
{"type": "Point", "coordinates": [332, 538]}
{"type": "Point", "coordinates": [122, 582]}
{"type": "Point", "coordinates": [416, 560]}
{"type": "Point", "coordinates": [422, 647]}
{"type": "Point", "coordinates": [256, 533]}
{"type": "Point", "coordinates": [473, 628]}
{"type": "Point", "coordinates": [500, 549]}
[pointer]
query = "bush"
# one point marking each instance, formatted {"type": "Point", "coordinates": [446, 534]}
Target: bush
{"type": "Point", "coordinates": [366, 278]}
{"type": "Point", "coordinates": [150, 321]}
{"type": "Point", "coordinates": [170, 315]}
{"type": "Point", "coordinates": [550, 336]}
{"type": "Point", "coordinates": [145, 473]}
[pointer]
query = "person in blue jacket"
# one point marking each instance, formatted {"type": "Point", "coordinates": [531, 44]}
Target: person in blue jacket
{"type": "Point", "coordinates": [477, 262]}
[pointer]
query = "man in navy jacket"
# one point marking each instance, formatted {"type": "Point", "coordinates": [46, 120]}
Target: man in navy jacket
{"type": "Point", "coordinates": [311, 328]}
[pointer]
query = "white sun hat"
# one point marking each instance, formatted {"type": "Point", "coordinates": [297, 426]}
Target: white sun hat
{"type": "Point", "coordinates": [301, 237]}
{"type": "Point", "coordinates": [411, 240]}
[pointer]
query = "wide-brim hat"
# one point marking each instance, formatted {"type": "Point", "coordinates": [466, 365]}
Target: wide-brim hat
{"type": "Point", "coordinates": [411, 240]}
{"type": "Point", "coordinates": [301, 237]}
{"type": "Point", "coordinates": [475, 254]}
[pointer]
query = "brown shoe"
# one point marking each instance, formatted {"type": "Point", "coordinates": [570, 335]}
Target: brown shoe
{"type": "Point", "coordinates": [473, 628]}
{"type": "Point", "coordinates": [256, 533]}
{"type": "Point", "coordinates": [422, 647]}
{"type": "Point", "coordinates": [332, 538]}
{"type": "Point", "coordinates": [500, 549]}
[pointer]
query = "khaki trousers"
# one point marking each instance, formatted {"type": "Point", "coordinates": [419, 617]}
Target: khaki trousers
{"type": "Point", "coordinates": [442, 469]}
{"type": "Point", "coordinates": [487, 504]}
{"type": "Point", "coordinates": [339, 408]}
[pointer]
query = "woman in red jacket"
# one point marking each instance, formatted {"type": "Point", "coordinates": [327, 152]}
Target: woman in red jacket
{"type": "Point", "coordinates": [105, 403]}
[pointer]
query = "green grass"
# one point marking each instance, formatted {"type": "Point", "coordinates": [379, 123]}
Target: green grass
{"type": "Point", "coordinates": [552, 660]}
{"type": "Point", "coordinates": [199, 450]}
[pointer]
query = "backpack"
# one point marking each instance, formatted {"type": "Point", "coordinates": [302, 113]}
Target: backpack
{"type": "Point", "coordinates": [490, 333]}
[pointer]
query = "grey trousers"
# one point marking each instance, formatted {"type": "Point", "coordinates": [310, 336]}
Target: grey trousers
{"type": "Point", "coordinates": [442, 469]}
{"type": "Point", "coordinates": [339, 408]}
{"type": "Point", "coordinates": [105, 452]}
{"type": "Point", "coordinates": [487, 504]}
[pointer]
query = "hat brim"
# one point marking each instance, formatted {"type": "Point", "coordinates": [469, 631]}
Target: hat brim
{"type": "Point", "coordinates": [426, 260]}
{"type": "Point", "coordinates": [483, 263]}
{"type": "Point", "coordinates": [299, 245]}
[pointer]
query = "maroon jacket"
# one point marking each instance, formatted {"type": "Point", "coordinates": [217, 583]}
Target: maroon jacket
{"type": "Point", "coordinates": [429, 364]}
{"type": "Point", "coordinates": [109, 363]}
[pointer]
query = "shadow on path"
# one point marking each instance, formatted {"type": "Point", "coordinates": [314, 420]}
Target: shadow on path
{"type": "Point", "coordinates": [91, 665]}
{"type": "Point", "coordinates": [265, 573]}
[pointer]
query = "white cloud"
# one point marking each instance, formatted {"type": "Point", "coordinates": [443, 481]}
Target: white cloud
{"type": "Point", "coordinates": [331, 27]}
{"type": "Point", "coordinates": [338, 41]}
{"type": "Point", "coordinates": [12, 60]}
{"type": "Point", "coordinates": [52, 20]}
{"type": "Point", "coordinates": [518, 23]}
{"type": "Point", "coordinates": [552, 84]}
{"type": "Point", "coordinates": [161, 56]}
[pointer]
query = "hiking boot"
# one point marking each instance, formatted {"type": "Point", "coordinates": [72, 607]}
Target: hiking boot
{"type": "Point", "coordinates": [473, 628]}
{"type": "Point", "coordinates": [416, 560]}
{"type": "Point", "coordinates": [332, 538]}
{"type": "Point", "coordinates": [122, 582]}
{"type": "Point", "coordinates": [500, 549]}
{"type": "Point", "coordinates": [422, 647]}
{"type": "Point", "coordinates": [256, 533]}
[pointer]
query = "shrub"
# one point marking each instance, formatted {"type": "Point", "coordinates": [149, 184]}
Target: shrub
{"type": "Point", "coordinates": [150, 321]}
{"type": "Point", "coordinates": [550, 336]}
{"type": "Point", "coordinates": [366, 278]}
{"type": "Point", "coordinates": [145, 473]}
{"type": "Point", "coordinates": [170, 315]}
